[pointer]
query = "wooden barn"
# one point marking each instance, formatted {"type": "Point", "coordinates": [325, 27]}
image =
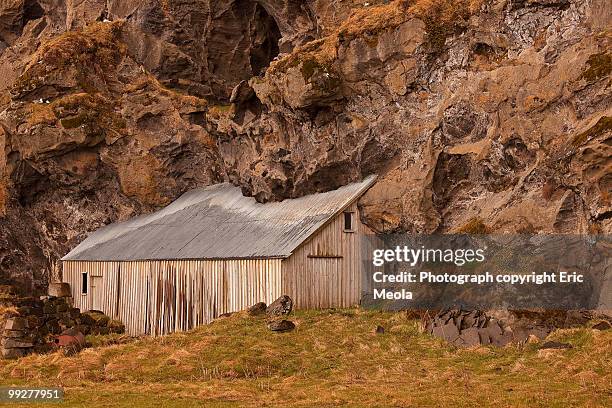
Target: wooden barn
{"type": "Point", "coordinates": [214, 251]}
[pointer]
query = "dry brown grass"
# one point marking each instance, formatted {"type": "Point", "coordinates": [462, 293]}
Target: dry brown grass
{"type": "Point", "coordinates": [93, 50]}
{"type": "Point", "coordinates": [100, 40]}
{"type": "Point", "coordinates": [332, 358]}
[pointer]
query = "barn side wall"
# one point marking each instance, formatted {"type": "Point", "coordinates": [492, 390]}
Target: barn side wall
{"type": "Point", "coordinates": [325, 271]}
{"type": "Point", "coordinates": [160, 297]}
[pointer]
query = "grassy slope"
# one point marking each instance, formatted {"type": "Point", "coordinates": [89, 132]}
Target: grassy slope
{"type": "Point", "coordinates": [332, 358]}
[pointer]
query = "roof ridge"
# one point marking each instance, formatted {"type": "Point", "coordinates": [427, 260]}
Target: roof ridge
{"type": "Point", "coordinates": [269, 224]}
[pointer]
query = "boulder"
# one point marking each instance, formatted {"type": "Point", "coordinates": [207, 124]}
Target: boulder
{"type": "Point", "coordinates": [257, 309]}
{"type": "Point", "coordinates": [281, 306]}
{"type": "Point", "coordinates": [242, 93]}
{"type": "Point", "coordinates": [502, 339]}
{"type": "Point", "coordinates": [53, 326]}
{"type": "Point", "coordinates": [379, 330]}
{"type": "Point", "coordinates": [34, 321]}
{"type": "Point", "coordinates": [86, 319]}
{"type": "Point", "coordinates": [42, 331]}
{"type": "Point", "coordinates": [49, 307]}
{"type": "Point", "coordinates": [281, 325]}
{"type": "Point", "coordinates": [484, 338]}
{"type": "Point", "coordinates": [24, 310]}
{"type": "Point", "coordinates": [59, 289]}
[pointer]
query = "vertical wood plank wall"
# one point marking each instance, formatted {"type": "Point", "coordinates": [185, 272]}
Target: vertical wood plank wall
{"type": "Point", "coordinates": [315, 279]}
{"type": "Point", "coordinates": [160, 297]}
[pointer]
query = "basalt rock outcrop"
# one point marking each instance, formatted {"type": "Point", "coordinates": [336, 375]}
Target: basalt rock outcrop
{"type": "Point", "coordinates": [485, 114]}
{"type": "Point", "coordinates": [469, 328]}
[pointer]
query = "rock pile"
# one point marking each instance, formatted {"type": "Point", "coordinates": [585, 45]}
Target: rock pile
{"type": "Point", "coordinates": [280, 307]}
{"type": "Point", "coordinates": [37, 325]}
{"type": "Point", "coordinates": [467, 328]}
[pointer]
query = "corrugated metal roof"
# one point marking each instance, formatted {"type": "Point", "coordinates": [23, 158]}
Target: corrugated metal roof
{"type": "Point", "coordinates": [218, 222]}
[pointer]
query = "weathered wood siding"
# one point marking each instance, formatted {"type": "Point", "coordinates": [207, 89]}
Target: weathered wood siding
{"type": "Point", "coordinates": [325, 271]}
{"type": "Point", "coordinates": [160, 297]}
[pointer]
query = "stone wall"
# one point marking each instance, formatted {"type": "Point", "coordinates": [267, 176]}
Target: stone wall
{"type": "Point", "coordinates": [30, 325]}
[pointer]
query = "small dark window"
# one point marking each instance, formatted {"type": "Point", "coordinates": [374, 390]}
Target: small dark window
{"type": "Point", "coordinates": [85, 283]}
{"type": "Point", "coordinates": [348, 222]}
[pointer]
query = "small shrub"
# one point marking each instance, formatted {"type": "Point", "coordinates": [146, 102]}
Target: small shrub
{"type": "Point", "coordinates": [474, 226]}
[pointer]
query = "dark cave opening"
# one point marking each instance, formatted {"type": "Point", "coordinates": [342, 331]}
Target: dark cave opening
{"type": "Point", "coordinates": [265, 36]}
{"type": "Point", "coordinates": [243, 41]}
{"type": "Point", "coordinates": [32, 11]}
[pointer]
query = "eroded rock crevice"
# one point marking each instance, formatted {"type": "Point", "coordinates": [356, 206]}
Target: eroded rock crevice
{"type": "Point", "coordinates": [242, 41]}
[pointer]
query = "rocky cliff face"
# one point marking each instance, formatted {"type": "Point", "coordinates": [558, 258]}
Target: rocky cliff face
{"type": "Point", "coordinates": [478, 115]}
